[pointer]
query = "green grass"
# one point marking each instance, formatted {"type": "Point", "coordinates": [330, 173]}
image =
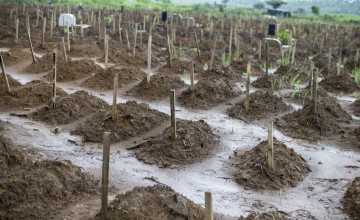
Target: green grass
{"type": "Point", "coordinates": [356, 74]}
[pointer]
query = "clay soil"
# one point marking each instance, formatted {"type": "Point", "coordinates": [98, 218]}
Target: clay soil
{"type": "Point", "coordinates": [30, 95]}
{"type": "Point", "coordinates": [262, 104]}
{"type": "Point", "coordinates": [355, 106]}
{"type": "Point", "coordinates": [132, 119]}
{"type": "Point", "coordinates": [251, 170]}
{"type": "Point", "coordinates": [158, 88]}
{"type": "Point", "coordinates": [69, 108]}
{"type": "Point", "coordinates": [194, 142]}
{"type": "Point", "coordinates": [208, 93]}
{"type": "Point", "coordinates": [330, 120]}
{"type": "Point", "coordinates": [38, 189]}
{"type": "Point", "coordinates": [14, 56]}
{"type": "Point", "coordinates": [351, 200]}
{"type": "Point", "coordinates": [104, 79]}
{"type": "Point", "coordinates": [161, 201]}
{"type": "Point", "coordinates": [340, 83]}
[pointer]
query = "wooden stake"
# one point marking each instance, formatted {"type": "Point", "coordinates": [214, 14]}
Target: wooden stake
{"type": "Point", "coordinates": [192, 87]}
{"type": "Point", "coordinates": [4, 72]}
{"type": "Point", "coordinates": [105, 175]}
{"type": "Point", "coordinates": [51, 25]}
{"type": "Point", "coordinates": [197, 43]}
{"type": "Point", "coordinates": [16, 30]}
{"type": "Point", "coordinates": [247, 99]}
{"type": "Point", "coordinates": [173, 118]}
{"type": "Point", "coordinates": [120, 36]}
{"type": "Point", "coordinates": [259, 49]}
{"type": "Point", "coordinates": [149, 59]}
{"type": "Point", "coordinates": [106, 50]}
{"type": "Point", "coordinates": [127, 39]}
{"type": "Point", "coordinates": [30, 43]}
{"type": "Point", "coordinates": [169, 51]}
{"type": "Point", "coordinates": [54, 80]}
{"type": "Point", "coordinates": [68, 37]}
{"type": "Point", "coordinates": [293, 53]}
{"type": "Point", "coordinates": [208, 207]}
{"type": "Point", "coordinates": [116, 81]}
{"type": "Point", "coordinates": [314, 89]}
{"type": "Point", "coordinates": [63, 48]}
{"type": "Point", "coordinates": [99, 28]}
{"type": "Point", "coordinates": [266, 59]}
{"type": "Point", "coordinates": [329, 60]}
{"type": "Point", "coordinates": [212, 55]}
{"type": "Point", "coordinates": [230, 42]}
{"type": "Point", "coordinates": [43, 32]}
{"type": "Point", "coordinates": [81, 29]}
{"type": "Point", "coordinates": [135, 36]}
{"type": "Point", "coordinates": [270, 151]}
{"type": "Point", "coordinates": [357, 57]}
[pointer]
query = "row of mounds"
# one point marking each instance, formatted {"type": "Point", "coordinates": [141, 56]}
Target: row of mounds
{"type": "Point", "coordinates": [194, 142]}
{"type": "Point", "coordinates": [351, 200]}
{"type": "Point", "coordinates": [339, 83]}
{"type": "Point", "coordinates": [250, 168]}
{"type": "Point", "coordinates": [132, 119]}
{"type": "Point", "coordinates": [15, 56]}
{"type": "Point", "coordinates": [38, 189]}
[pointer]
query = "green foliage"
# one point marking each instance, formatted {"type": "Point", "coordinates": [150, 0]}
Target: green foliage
{"type": "Point", "coordinates": [283, 36]}
{"type": "Point", "coordinates": [206, 66]}
{"type": "Point", "coordinates": [315, 10]}
{"type": "Point", "coordinates": [226, 60]}
{"type": "Point", "coordinates": [276, 3]}
{"type": "Point", "coordinates": [356, 95]}
{"type": "Point", "coordinates": [356, 74]}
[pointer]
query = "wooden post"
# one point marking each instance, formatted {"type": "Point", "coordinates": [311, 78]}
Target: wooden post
{"type": "Point", "coordinates": [63, 48]}
{"type": "Point", "coordinates": [329, 60]}
{"type": "Point", "coordinates": [31, 47]}
{"type": "Point", "coordinates": [99, 28]}
{"type": "Point", "coordinates": [54, 81]}
{"type": "Point", "coordinates": [247, 98]}
{"type": "Point", "coordinates": [81, 29]}
{"type": "Point", "coordinates": [197, 43]}
{"type": "Point", "coordinates": [293, 53]}
{"type": "Point", "coordinates": [259, 49]}
{"type": "Point", "coordinates": [169, 51]}
{"type": "Point", "coordinates": [314, 89]}
{"type": "Point", "coordinates": [212, 55]}
{"type": "Point", "coordinates": [149, 59]}
{"type": "Point", "coordinates": [270, 151]}
{"type": "Point", "coordinates": [187, 28]}
{"type": "Point", "coordinates": [113, 25]}
{"type": "Point", "coordinates": [4, 72]}
{"type": "Point", "coordinates": [43, 32]}
{"type": "Point", "coordinates": [266, 59]}
{"type": "Point", "coordinates": [208, 207]}
{"type": "Point", "coordinates": [16, 30]}
{"type": "Point", "coordinates": [173, 118]}
{"type": "Point", "coordinates": [357, 57]}
{"type": "Point", "coordinates": [105, 175]}
{"type": "Point", "coordinates": [230, 42]}
{"type": "Point", "coordinates": [120, 36]}
{"type": "Point", "coordinates": [68, 37]}
{"type": "Point", "coordinates": [106, 38]}
{"type": "Point", "coordinates": [135, 36]}
{"type": "Point", "coordinates": [51, 25]}
{"type": "Point", "coordinates": [115, 90]}
{"type": "Point", "coordinates": [192, 87]}
{"type": "Point", "coordinates": [127, 39]}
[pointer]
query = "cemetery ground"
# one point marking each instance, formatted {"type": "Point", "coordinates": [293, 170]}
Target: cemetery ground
{"type": "Point", "coordinates": [275, 139]}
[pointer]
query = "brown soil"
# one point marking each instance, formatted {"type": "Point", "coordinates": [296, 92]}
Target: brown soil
{"type": "Point", "coordinates": [194, 142]}
{"type": "Point", "coordinates": [355, 106]}
{"type": "Point", "coordinates": [161, 201]}
{"type": "Point", "coordinates": [12, 83]}
{"type": "Point", "coordinates": [227, 73]}
{"type": "Point", "coordinates": [302, 123]}
{"type": "Point", "coordinates": [208, 93]}
{"type": "Point", "coordinates": [178, 66]}
{"type": "Point", "coordinates": [265, 82]}
{"type": "Point", "coordinates": [351, 200]}
{"type": "Point", "coordinates": [74, 70]}
{"type": "Point", "coordinates": [43, 64]}
{"type": "Point", "coordinates": [339, 83]}
{"type": "Point", "coordinates": [89, 50]}
{"type": "Point", "coordinates": [262, 104]}
{"type": "Point", "coordinates": [104, 79]}
{"type": "Point", "coordinates": [250, 168]}
{"type": "Point", "coordinates": [70, 108]}
{"type": "Point", "coordinates": [132, 119]}
{"type": "Point", "coordinates": [158, 88]}
{"type": "Point", "coordinates": [279, 215]}
{"type": "Point", "coordinates": [32, 94]}
{"type": "Point", "coordinates": [38, 189]}
{"type": "Point", "coordinates": [241, 67]}
{"type": "Point", "coordinates": [287, 73]}
{"type": "Point", "coordinates": [14, 56]}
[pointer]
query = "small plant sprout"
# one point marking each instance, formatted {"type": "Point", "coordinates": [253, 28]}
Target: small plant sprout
{"type": "Point", "coordinates": [206, 66]}
{"type": "Point", "coordinates": [356, 95]}
{"type": "Point", "coordinates": [356, 74]}
{"type": "Point", "coordinates": [226, 60]}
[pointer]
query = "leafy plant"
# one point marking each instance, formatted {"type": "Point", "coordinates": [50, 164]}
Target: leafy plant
{"type": "Point", "coordinates": [356, 95]}
{"type": "Point", "coordinates": [306, 95]}
{"type": "Point", "coordinates": [356, 74]}
{"type": "Point", "coordinates": [283, 36]}
{"type": "Point", "coordinates": [226, 60]}
{"type": "Point", "coordinates": [206, 66]}
{"type": "Point", "coordinates": [294, 82]}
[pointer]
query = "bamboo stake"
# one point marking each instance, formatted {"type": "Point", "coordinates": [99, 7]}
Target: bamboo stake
{"type": "Point", "coordinates": [230, 42]}
{"type": "Point", "coordinates": [149, 59]}
{"type": "Point", "coordinates": [16, 30]}
{"type": "Point", "coordinates": [212, 55]}
{"type": "Point", "coordinates": [64, 48]}
{"type": "Point", "coordinates": [270, 151]}
{"type": "Point", "coordinates": [293, 53]}
{"type": "Point", "coordinates": [169, 51]}
{"type": "Point", "coordinates": [120, 36]}
{"type": "Point", "coordinates": [116, 81]}
{"type": "Point", "coordinates": [357, 56]}
{"type": "Point", "coordinates": [266, 59]}
{"type": "Point", "coordinates": [173, 118]}
{"type": "Point", "coordinates": [106, 50]}
{"type": "Point", "coordinates": [30, 43]}
{"type": "Point", "coordinates": [329, 60]}
{"type": "Point", "coordinates": [51, 25]}
{"type": "Point", "coordinates": [197, 43]}
{"type": "Point", "coordinates": [105, 175]}
{"type": "Point", "coordinates": [127, 39]}
{"type": "Point", "coordinates": [247, 99]}
{"type": "Point", "coordinates": [54, 80]}
{"type": "Point", "coordinates": [208, 207]}
{"type": "Point", "coordinates": [314, 89]}
{"type": "Point", "coordinates": [259, 49]}
{"type": "Point", "coordinates": [135, 36]}
{"type": "Point", "coordinates": [43, 32]}
{"type": "Point", "coordinates": [4, 72]}
{"type": "Point", "coordinates": [99, 28]}
{"type": "Point", "coordinates": [192, 87]}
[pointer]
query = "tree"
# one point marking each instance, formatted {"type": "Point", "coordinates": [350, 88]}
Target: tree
{"type": "Point", "coordinates": [315, 10]}
{"type": "Point", "coordinates": [259, 6]}
{"type": "Point", "coordinates": [276, 3]}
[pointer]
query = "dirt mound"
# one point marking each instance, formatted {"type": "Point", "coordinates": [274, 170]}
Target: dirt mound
{"type": "Point", "coordinates": [89, 50]}
{"type": "Point", "coordinates": [279, 215]}
{"type": "Point", "coordinates": [262, 104]}
{"type": "Point", "coordinates": [351, 200]}
{"type": "Point", "coordinates": [44, 64]}
{"type": "Point", "coordinates": [132, 119]}
{"type": "Point", "coordinates": [208, 92]}
{"type": "Point", "coordinates": [291, 73]}
{"type": "Point", "coordinates": [304, 95]}
{"type": "Point", "coordinates": [37, 190]}
{"type": "Point", "coordinates": [12, 82]}
{"type": "Point", "coordinates": [264, 82]}
{"type": "Point", "coordinates": [104, 80]}
{"type": "Point", "coordinates": [73, 70]}
{"type": "Point", "coordinates": [158, 88]}
{"type": "Point", "coordinates": [225, 73]}
{"type": "Point", "coordinates": [161, 201]}
{"type": "Point", "coordinates": [250, 168]}
{"type": "Point", "coordinates": [339, 83]}
{"type": "Point", "coordinates": [32, 94]}
{"type": "Point", "coordinates": [241, 67]}
{"type": "Point", "coordinates": [14, 56]}
{"type": "Point", "coordinates": [303, 124]}
{"type": "Point", "coordinates": [70, 108]}
{"type": "Point", "coordinates": [355, 106]}
{"type": "Point", "coordinates": [178, 66]}
{"type": "Point", "coordinates": [193, 143]}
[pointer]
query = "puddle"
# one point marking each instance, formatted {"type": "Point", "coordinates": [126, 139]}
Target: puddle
{"type": "Point", "coordinates": [186, 77]}
{"type": "Point", "coordinates": [4, 49]}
